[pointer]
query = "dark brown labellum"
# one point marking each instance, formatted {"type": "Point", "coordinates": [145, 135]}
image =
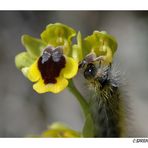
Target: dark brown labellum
{"type": "Point", "coordinates": [50, 64]}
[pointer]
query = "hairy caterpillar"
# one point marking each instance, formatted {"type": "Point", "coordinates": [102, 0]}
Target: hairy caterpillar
{"type": "Point", "coordinates": [107, 102]}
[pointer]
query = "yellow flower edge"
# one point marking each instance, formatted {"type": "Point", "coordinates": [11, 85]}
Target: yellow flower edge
{"type": "Point", "coordinates": [69, 71]}
{"type": "Point", "coordinates": [40, 87]}
{"type": "Point", "coordinates": [71, 68]}
{"type": "Point", "coordinates": [33, 73]}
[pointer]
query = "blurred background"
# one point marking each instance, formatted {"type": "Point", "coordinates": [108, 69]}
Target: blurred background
{"type": "Point", "coordinates": [24, 112]}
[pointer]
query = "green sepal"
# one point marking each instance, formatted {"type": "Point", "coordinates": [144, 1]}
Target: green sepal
{"type": "Point", "coordinates": [58, 35]}
{"type": "Point", "coordinates": [23, 60]}
{"type": "Point", "coordinates": [60, 130]}
{"type": "Point", "coordinates": [98, 42]}
{"type": "Point", "coordinates": [88, 129]}
{"type": "Point", "coordinates": [77, 51]}
{"type": "Point", "coordinates": [33, 46]}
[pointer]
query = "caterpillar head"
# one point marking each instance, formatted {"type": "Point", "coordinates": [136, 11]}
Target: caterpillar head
{"type": "Point", "coordinates": [94, 69]}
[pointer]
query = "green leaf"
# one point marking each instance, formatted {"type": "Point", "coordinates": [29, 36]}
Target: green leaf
{"type": "Point", "coordinates": [58, 35]}
{"type": "Point", "coordinates": [33, 46]}
{"type": "Point", "coordinates": [23, 60]}
{"type": "Point", "coordinates": [77, 52]}
{"type": "Point", "coordinates": [98, 42]}
{"type": "Point", "coordinates": [60, 130]}
{"type": "Point", "coordinates": [88, 129]}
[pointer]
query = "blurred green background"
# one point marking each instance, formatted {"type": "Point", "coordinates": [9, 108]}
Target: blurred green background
{"type": "Point", "coordinates": [23, 111]}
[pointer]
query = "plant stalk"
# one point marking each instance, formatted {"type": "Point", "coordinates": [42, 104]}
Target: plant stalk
{"type": "Point", "coordinates": [83, 103]}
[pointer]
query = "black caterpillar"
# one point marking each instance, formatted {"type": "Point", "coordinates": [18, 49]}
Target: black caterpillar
{"type": "Point", "coordinates": [106, 104]}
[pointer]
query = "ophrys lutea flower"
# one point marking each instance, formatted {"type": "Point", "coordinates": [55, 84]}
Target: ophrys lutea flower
{"type": "Point", "coordinates": [51, 70]}
{"type": "Point", "coordinates": [48, 61]}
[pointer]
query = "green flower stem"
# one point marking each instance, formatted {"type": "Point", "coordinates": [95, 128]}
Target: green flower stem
{"type": "Point", "coordinates": [84, 105]}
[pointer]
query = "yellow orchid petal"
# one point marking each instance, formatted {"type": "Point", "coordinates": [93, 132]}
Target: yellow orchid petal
{"type": "Point", "coordinates": [61, 84]}
{"type": "Point", "coordinates": [70, 69]}
{"type": "Point", "coordinates": [109, 55]}
{"type": "Point", "coordinates": [33, 73]}
{"type": "Point", "coordinates": [25, 71]}
{"type": "Point", "coordinates": [40, 87]}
